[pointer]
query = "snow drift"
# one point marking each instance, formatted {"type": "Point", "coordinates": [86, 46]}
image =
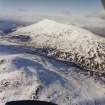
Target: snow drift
{"type": "Point", "coordinates": [65, 42]}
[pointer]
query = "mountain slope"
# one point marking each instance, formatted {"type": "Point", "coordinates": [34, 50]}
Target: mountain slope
{"type": "Point", "coordinates": [25, 76]}
{"type": "Point", "coordinates": [65, 42]}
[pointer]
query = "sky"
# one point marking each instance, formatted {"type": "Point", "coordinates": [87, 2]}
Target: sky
{"type": "Point", "coordinates": [14, 8]}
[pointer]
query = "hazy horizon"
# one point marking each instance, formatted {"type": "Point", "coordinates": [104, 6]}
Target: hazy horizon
{"type": "Point", "coordinates": [32, 8]}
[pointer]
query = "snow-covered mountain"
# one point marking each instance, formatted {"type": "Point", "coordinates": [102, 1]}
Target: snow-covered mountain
{"type": "Point", "coordinates": [64, 42]}
{"type": "Point", "coordinates": [8, 26]}
{"type": "Point", "coordinates": [25, 74]}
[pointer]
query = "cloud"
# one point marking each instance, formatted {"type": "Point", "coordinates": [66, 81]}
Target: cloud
{"type": "Point", "coordinates": [66, 12]}
{"type": "Point", "coordinates": [22, 10]}
{"type": "Point", "coordinates": [99, 14]}
{"type": "Point", "coordinates": [102, 14]}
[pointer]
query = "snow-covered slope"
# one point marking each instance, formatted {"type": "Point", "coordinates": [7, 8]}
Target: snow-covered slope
{"type": "Point", "coordinates": [65, 42]}
{"type": "Point", "coordinates": [25, 76]}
